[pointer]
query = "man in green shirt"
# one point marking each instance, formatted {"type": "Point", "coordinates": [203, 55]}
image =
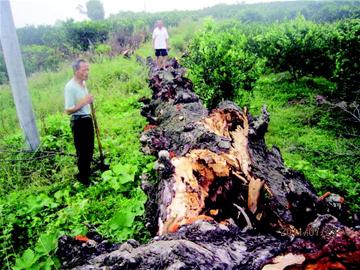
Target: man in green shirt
{"type": "Point", "coordinates": [77, 104]}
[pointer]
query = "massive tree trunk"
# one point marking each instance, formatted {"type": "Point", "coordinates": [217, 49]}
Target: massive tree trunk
{"type": "Point", "coordinates": [223, 200]}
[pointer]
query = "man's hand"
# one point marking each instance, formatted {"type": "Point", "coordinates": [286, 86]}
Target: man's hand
{"type": "Point", "coordinates": [88, 99]}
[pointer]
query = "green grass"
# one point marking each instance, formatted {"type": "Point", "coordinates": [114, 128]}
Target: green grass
{"type": "Point", "coordinates": [181, 35]}
{"type": "Point", "coordinates": [40, 199]}
{"type": "Point", "coordinates": [46, 90]}
{"type": "Point", "coordinates": [309, 139]}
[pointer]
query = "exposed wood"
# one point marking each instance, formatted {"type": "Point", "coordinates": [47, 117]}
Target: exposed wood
{"type": "Point", "coordinates": [223, 200]}
{"type": "Point", "coordinates": [219, 157]}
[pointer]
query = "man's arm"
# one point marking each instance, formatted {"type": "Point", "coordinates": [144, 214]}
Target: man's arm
{"type": "Point", "coordinates": [86, 100]}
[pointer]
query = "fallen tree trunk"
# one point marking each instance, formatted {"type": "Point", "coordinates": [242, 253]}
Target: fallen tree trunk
{"type": "Point", "coordinates": [217, 165]}
{"type": "Point", "coordinates": [209, 245]}
{"type": "Point", "coordinates": [223, 200]}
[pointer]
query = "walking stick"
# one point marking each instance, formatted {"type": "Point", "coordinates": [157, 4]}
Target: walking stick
{"type": "Point", "coordinates": [102, 165]}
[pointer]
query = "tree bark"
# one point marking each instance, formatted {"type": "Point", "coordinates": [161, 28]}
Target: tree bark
{"type": "Point", "coordinates": [223, 200]}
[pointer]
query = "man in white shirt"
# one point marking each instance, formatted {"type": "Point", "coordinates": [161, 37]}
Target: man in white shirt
{"type": "Point", "coordinates": [160, 44]}
{"type": "Point", "coordinates": [77, 104]}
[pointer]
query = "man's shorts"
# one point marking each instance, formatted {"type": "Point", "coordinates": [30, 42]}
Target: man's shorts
{"type": "Point", "coordinates": [161, 52]}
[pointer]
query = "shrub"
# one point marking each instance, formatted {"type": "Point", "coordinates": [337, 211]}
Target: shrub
{"type": "Point", "coordinates": [33, 35]}
{"type": "Point", "coordinates": [40, 58]}
{"type": "Point", "coordinates": [300, 47]}
{"type": "Point", "coordinates": [346, 73]}
{"type": "Point", "coordinates": [220, 65]}
{"type": "Point", "coordinates": [103, 49]}
{"type": "Point", "coordinates": [82, 35]}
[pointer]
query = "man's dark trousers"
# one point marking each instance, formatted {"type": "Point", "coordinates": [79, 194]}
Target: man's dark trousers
{"type": "Point", "coordinates": [83, 133]}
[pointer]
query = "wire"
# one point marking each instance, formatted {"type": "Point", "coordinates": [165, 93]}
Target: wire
{"type": "Point", "coordinates": [43, 155]}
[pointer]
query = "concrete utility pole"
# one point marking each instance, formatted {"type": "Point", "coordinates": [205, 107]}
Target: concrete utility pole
{"type": "Point", "coordinates": [16, 72]}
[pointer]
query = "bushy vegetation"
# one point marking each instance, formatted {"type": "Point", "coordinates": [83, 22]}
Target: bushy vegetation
{"type": "Point", "coordinates": [300, 83]}
{"type": "Point", "coordinates": [298, 46]}
{"type": "Point", "coordinates": [219, 64]}
{"type": "Point", "coordinates": [45, 47]}
{"type": "Point", "coordinates": [261, 58]}
{"type": "Point", "coordinates": [40, 58]}
{"type": "Point", "coordinates": [40, 198]}
{"type": "Point", "coordinates": [311, 140]}
{"type": "Point", "coordinates": [225, 59]}
{"type": "Point", "coordinates": [347, 70]}
{"type": "Point", "coordinates": [304, 48]}
{"type": "Point", "coordinates": [69, 37]}
{"type": "Point", "coordinates": [182, 34]}
{"type": "Point", "coordinates": [83, 34]}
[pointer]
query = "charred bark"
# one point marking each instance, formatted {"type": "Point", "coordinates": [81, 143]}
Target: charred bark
{"type": "Point", "coordinates": [223, 200]}
{"type": "Point", "coordinates": [225, 161]}
{"type": "Point", "coordinates": [326, 244]}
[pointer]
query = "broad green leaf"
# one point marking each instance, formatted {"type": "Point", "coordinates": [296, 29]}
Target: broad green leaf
{"type": "Point", "coordinates": [107, 175]}
{"type": "Point", "coordinates": [46, 243]}
{"type": "Point", "coordinates": [114, 183]}
{"type": "Point", "coordinates": [28, 257]}
{"type": "Point", "coordinates": [122, 219]}
{"type": "Point", "coordinates": [26, 260]}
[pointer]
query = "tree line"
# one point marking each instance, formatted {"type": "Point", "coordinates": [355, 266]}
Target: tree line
{"type": "Point", "coordinates": [45, 47]}
{"type": "Point", "coordinates": [225, 58]}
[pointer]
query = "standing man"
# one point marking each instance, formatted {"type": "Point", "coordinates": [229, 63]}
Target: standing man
{"type": "Point", "coordinates": [160, 44]}
{"type": "Point", "coordinates": [77, 104]}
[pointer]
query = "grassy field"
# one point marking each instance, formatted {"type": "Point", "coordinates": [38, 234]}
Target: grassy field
{"type": "Point", "coordinates": [309, 138]}
{"type": "Point", "coordinates": [41, 200]}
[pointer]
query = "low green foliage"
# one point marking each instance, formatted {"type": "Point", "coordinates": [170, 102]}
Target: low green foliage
{"type": "Point", "coordinates": [40, 198]}
{"type": "Point", "coordinates": [300, 47]}
{"type": "Point", "coordinates": [40, 58]}
{"type": "Point", "coordinates": [219, 64]}
{"type": "Point", "coordinates": [81, 35]}
{"type": "Point", "coordinates": [102, 49]}
{"type": "Point", "coordinates": [304, 48]}
{"type": "Point", "coordinates": [347, 71]}
{"type": "Point", "coordinates": [181, 35]}
{"type": "Point", "coordinates": [310, 140]}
